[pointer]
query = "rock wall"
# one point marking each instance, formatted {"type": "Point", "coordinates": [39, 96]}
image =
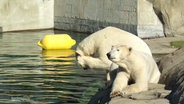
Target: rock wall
{"type": "Point", "coordinates": [172, 69]}
{"type": "Point", "coordinates": [148, 24]}
{"type": "Point", "coordinates": [92, 15]}
{"type": "Point", "coordinates": [135, 16]}
{"type": "Point", "coordinates": [171, 14]}
{"type": "Point", "coordinates": [26, 14]}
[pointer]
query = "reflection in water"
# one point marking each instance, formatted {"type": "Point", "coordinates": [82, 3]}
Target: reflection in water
{"type": "Point", "coordinates": [64, 57]}
{"type": "Point", "coordinates": [29, 75]}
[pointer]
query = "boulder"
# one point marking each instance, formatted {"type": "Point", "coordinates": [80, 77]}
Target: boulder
{"type": "Point", "coordinates": [170, 12]}
{"type": "Point", "coordinates": [168, 63]}
{"type": "Point", "coordinates": [172, 68]}
{"type": "Point", "coordinates": [176, 83]}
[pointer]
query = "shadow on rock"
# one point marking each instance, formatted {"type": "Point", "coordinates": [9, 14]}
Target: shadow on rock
{"type": "Point", "coordinates": [101, 97]}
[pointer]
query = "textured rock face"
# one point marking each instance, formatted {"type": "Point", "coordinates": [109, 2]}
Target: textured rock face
{"type": "Point", "coordinates": [176, 83]}
{"type": "Point", "coordinates": [148, 24]}
{"type": "Point", "coordinates": [172, 67]}
{"type": "Point", "coordinates": [168, 63]}
{"type": "Point", "coordinates": [135, 16]}
{"type": "Point", "coordinates": [171, 14]}
{"type": "Point", "coordinates": [155, 94]}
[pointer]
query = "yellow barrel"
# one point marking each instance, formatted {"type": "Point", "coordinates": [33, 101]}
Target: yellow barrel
{"type": "Point", "coordinates": [56, 41]}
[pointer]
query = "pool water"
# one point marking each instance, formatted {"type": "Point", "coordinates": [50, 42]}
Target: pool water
{"type": "Point", "coordinates": [30, 75]}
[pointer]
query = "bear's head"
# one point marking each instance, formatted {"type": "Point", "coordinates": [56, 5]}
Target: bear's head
{"type": "Point", "coordinates": [119, 52]}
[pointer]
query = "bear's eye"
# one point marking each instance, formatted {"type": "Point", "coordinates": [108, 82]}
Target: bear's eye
{"type": "Point", "coordinates": [117, 49]}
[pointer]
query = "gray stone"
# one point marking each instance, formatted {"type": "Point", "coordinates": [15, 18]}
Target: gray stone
{"type": "Point", "coordinates": [135, 16]}
{"type": "Point", "coordinates": [171, 14]}
{"type": "Point", "coordinates": [155, 94]}
{"type": "Point", "coordinates": [148, 24]}
{"type": "Point", "coordinates": [176, 83]}
{"type": "Point", "coordinates": [172, 68]}
{"type": "Point", "coordinates": [19, 15]}
{"type": "Point", "coordinates": [168, 62]}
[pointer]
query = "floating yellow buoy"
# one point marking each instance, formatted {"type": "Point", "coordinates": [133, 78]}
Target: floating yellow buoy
{"type": "Point", "coordinates": [57, 41]}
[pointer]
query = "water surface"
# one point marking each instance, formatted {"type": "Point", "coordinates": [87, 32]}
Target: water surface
{"type": "Point", "coordinates": [29, 75]}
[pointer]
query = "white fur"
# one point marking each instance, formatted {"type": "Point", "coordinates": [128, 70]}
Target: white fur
{"type": "Point", "coordinates": [91, 52]}
{"type": "Point", "coordinates": [135, 66]}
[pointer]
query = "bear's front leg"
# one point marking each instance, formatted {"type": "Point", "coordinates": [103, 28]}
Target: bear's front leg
{"type": "Point", "coordinates": [141, 82]}
{"type": "Point", "coordinates": [134, 88]}
{"type": "Point", "coordinates": [120, 82]}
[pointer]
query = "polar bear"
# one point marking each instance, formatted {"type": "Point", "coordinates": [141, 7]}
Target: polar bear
{"type": "Point", "coordinates": [135, 67]}
{"type": "Point", "coordinates": [91, 52]}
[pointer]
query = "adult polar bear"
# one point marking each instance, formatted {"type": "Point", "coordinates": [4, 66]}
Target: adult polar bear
{"type": "Point", "coordinates": [138, 67]}
{"type": "Point", "coordinates": [91, 52]}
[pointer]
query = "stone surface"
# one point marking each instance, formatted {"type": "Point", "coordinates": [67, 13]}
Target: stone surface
{"type": "Point", "coordinates": [175, 81]}
{"type": "Point", "coordinates": [162, 45]}
{"type": "Point", "coordinates": [93, 15]}
{"type": "Point", "coordinates": [172, 68]}
{"type": "Point", "coordinates": [171, 14]}
{"type": "Point", "coordinates": [155, 94]}
{"type": "Point", "coordinates": [135, 16]}
{"type": "Point", "coordinates": [148, 24]}
{"type": "Point", "coordinates": [168, 63]}
{"type": "Point", "coordinates": [19, 15]}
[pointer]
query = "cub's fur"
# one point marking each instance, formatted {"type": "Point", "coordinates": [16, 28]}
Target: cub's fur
{"type": "Point", "coordinates": [135, 66]}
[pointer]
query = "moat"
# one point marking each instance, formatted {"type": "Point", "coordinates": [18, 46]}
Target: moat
{"type": "Point", "coordinates": [29, 75]}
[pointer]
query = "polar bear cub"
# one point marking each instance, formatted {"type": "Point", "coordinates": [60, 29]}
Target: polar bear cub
{"type": "Point", "coordinates": [136, 67]}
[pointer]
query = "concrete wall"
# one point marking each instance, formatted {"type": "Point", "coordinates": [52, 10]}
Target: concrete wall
{"type": "Point", "coordinates": [148, 24]}
{"type": "Point", "coordinates": [92, 15]}
{"type": "Point", "coordinates": [135, 16]}
{"type": "Point", "coordinates": [26, 14]}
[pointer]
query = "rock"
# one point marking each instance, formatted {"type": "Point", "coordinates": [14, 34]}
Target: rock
{"type": "Point", "coordinates": [148, 24]}
{"type": "Point", "coordinates": [176, 83]}
{"type": "Point", "coordinates": [155, 94]}
{"type": "Point", "coordinates": [167, 63]}
{"type": "Point", "coordinates": [130, 101]}
{"type": "Point", "coordinates": [161, 46]}
{"type": "Point", "coordinates": [170, 12]}
{"type": "Point", "coordinates": [172, 68]}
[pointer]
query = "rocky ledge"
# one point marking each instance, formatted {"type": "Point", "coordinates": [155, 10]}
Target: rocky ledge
{"type": "Point", "coordinates": [155, 95]}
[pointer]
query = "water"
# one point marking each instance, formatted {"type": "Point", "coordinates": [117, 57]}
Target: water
{"type": "Point", "coordinates": [29, 75]}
